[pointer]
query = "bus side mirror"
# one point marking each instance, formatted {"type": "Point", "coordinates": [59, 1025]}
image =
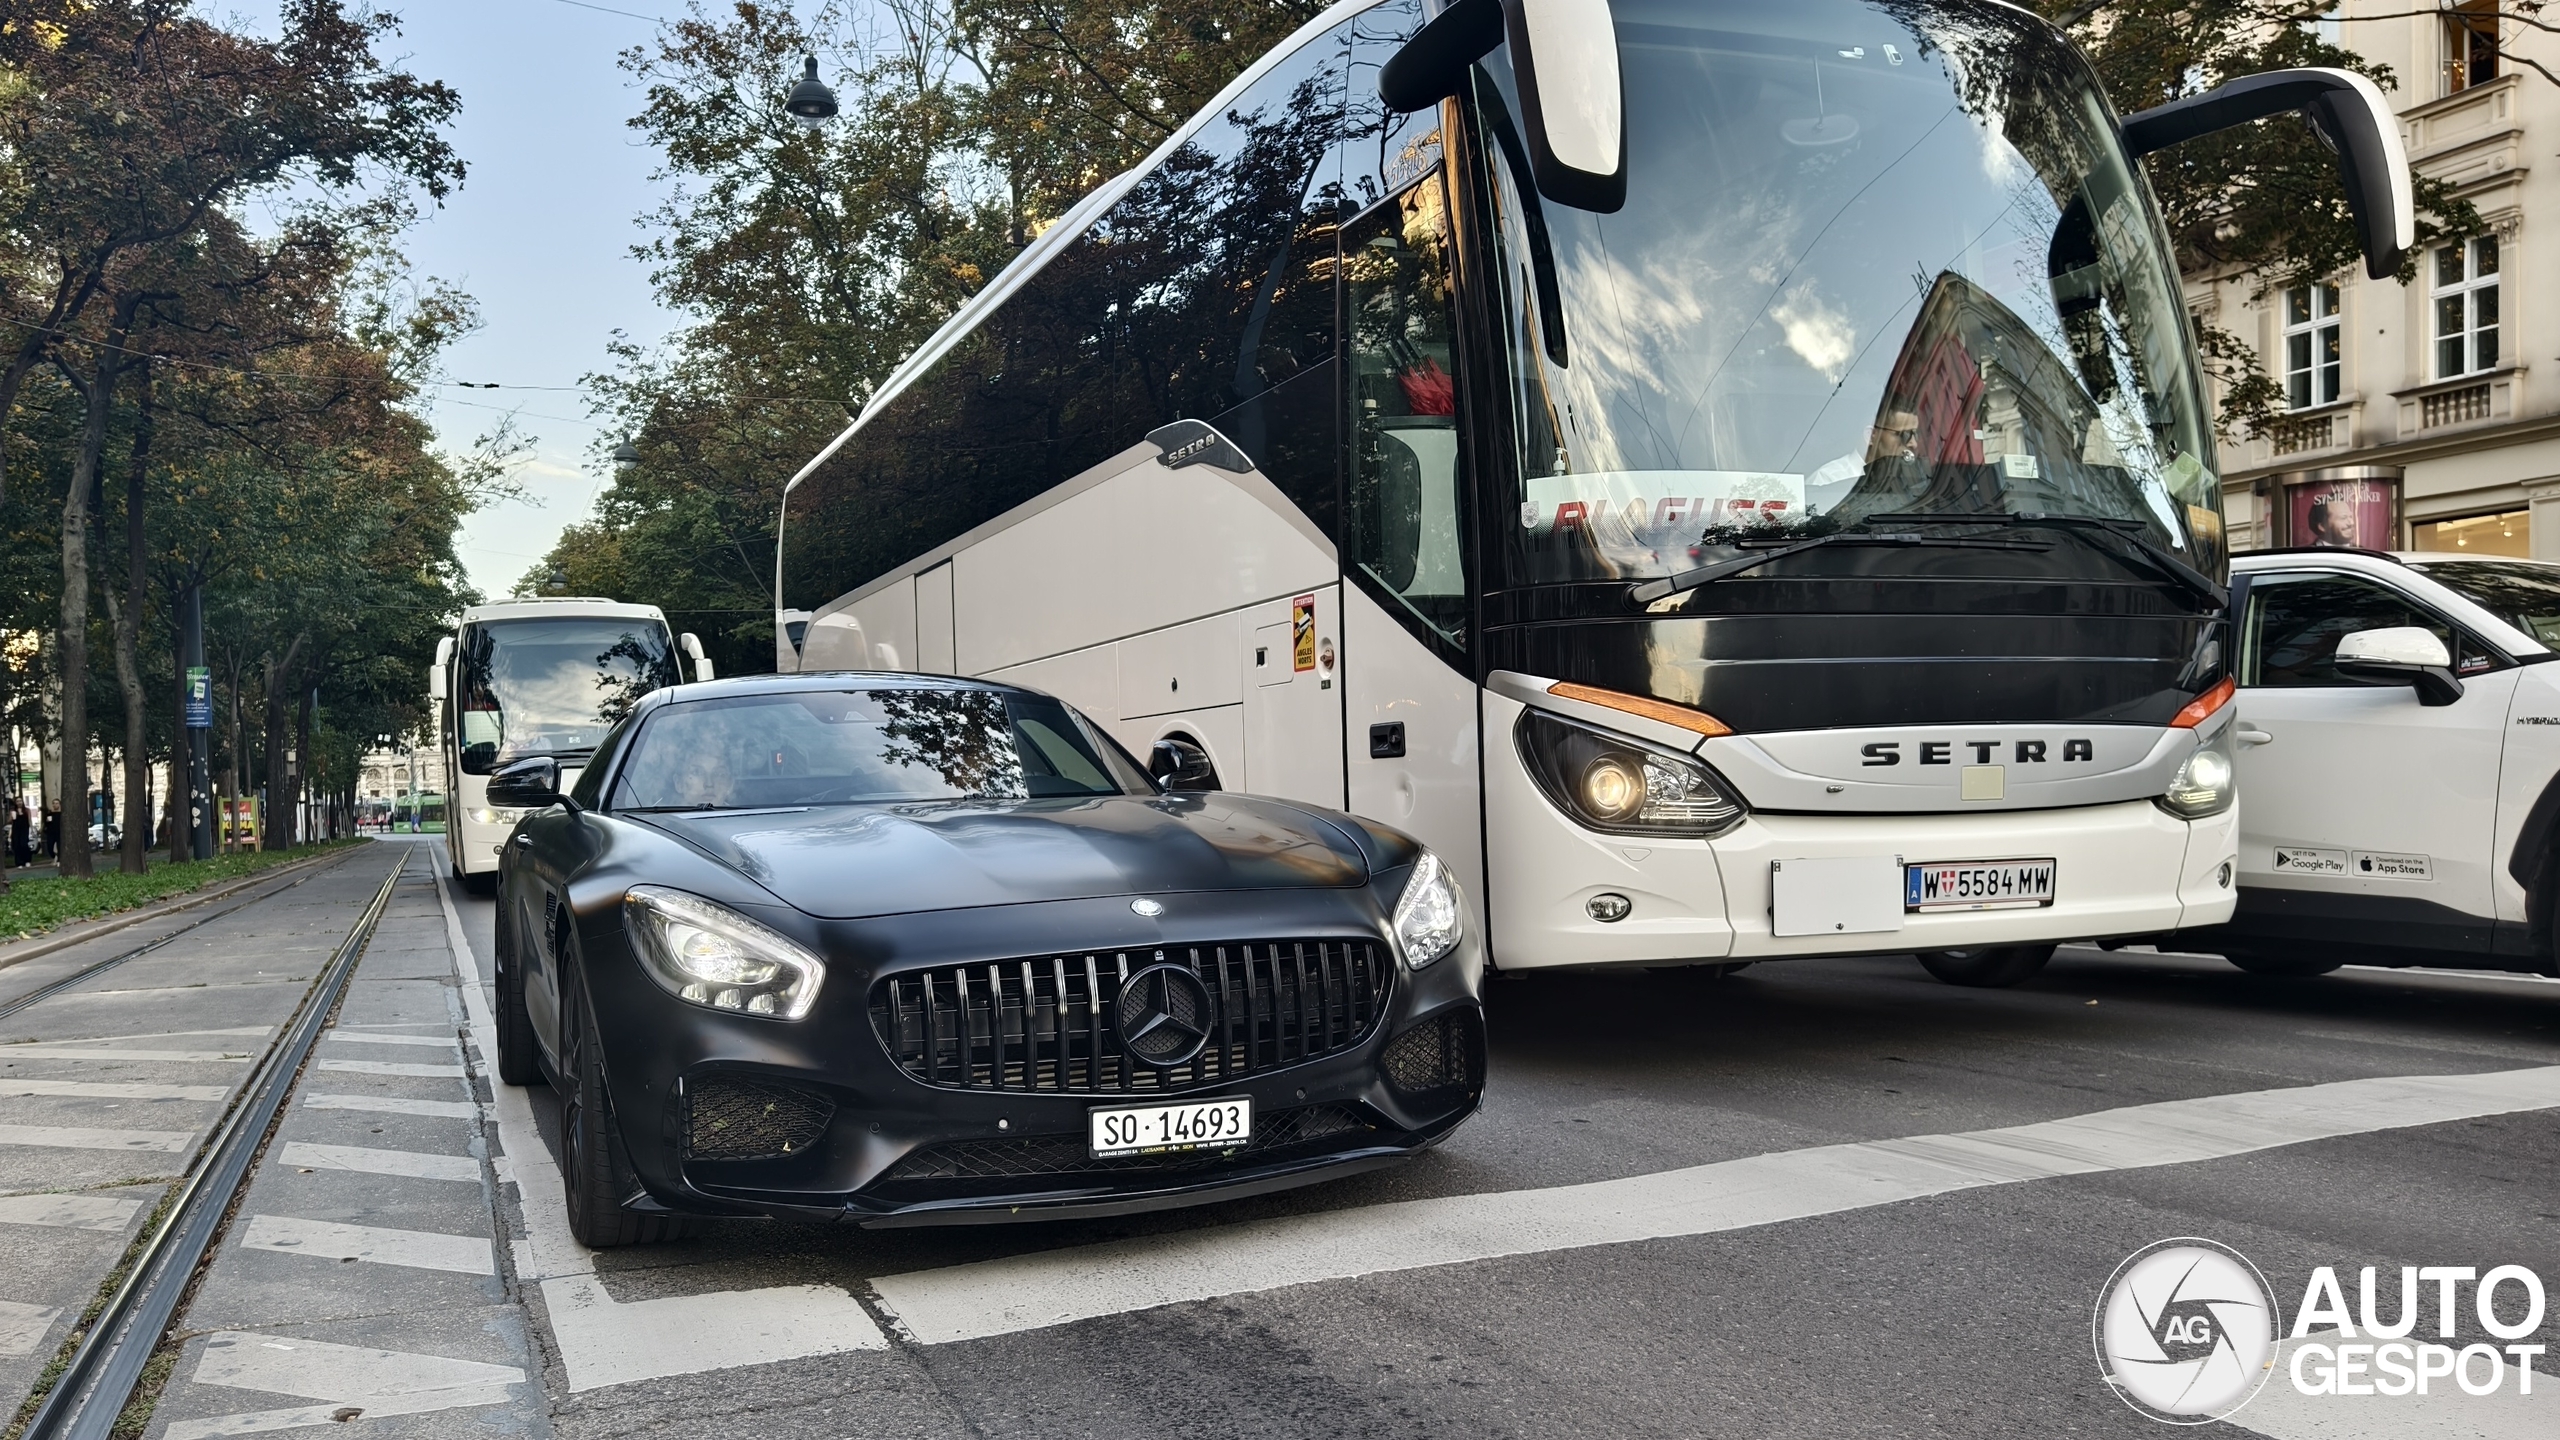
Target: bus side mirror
{"type": "Point", "coordinates": [2349, 114]}
{"type": "Point", "coordinates": [1573, 106]}
{"type": "Point", "coordinates": [2400, 655]}
{"type": "Point", "coordinates": [435, 682]}
{"type": "Point", "coordinates": [692, 644]}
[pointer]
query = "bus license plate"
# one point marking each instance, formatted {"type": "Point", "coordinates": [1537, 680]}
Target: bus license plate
{"type": "Point", "coordinates": [1159, 1129]}
{"type": "Point", "coordinates": [1977, 885]}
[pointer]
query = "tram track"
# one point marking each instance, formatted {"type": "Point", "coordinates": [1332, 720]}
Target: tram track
{"type": "Point", "coordinates": [105, 1361]}
{"type": "Point", "coordinates": [96, 968]}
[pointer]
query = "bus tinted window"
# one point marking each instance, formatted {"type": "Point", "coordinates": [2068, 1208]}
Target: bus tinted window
{"type": "Point", "coordinates": [551, 687]}
{"type": "Point", "coordinates": [1205, 293]}
{"type": "Point", "coordinates": [1405, 491]}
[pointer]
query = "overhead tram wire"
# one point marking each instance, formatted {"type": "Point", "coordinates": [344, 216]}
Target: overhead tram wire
{"type": "Point", "coordinates": [106, 1366]}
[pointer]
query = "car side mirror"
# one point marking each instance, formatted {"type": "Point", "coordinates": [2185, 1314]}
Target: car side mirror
{"type": "Point", "coordinates": [2401, 655]}
{"type": "Point", "coordinates": [1182, 765]}
{"type": "Point", "coordinates": [1572, 104]}
{"type": "Point", "coordinates": [2351, 117]}
{"type": "Point", "coordinates": [532, 783]}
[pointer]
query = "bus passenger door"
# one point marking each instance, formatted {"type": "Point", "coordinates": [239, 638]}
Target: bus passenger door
{"type": "Point", "coordinates": [1409, 695]}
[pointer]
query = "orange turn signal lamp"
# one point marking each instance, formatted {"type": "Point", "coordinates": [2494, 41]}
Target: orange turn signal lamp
{"type": "Point", "coordinates": [1697, 722]}
{"type": "Point", "coordinates": [2202, 708]}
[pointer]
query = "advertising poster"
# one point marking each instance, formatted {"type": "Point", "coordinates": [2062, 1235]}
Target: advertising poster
{"type": "Point", "coordinates": [2343, 513]}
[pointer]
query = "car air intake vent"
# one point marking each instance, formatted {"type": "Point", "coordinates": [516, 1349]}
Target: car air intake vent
{"type": "Point", "coordinates": [1037, 1155]}
{"type": "Point", "coordinates": [1443, 1054]}
{"type": "Point", "coordinates": [729, 1117]}
{"type": "Point", "coordinates": [1058, 1023]}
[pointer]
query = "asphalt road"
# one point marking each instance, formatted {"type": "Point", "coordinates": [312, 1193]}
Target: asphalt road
{"type": "Point", "coordinates": [1743, 1249]}
{"type": "Point", "coordinates": [1960, 1314]}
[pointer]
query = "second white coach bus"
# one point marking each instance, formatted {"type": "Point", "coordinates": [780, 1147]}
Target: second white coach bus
{"type": "Point", "coordinates": [1738, 493]}
{"type": "Point", "coordinates": [537, 677]}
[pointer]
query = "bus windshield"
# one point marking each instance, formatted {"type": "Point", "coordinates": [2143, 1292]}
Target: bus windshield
{"type": "Point", "coordinates": [552, 686]}
{"type": "Point", "coordinates": [1877, 260]}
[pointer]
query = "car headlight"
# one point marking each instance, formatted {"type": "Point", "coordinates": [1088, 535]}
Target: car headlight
{"type": "Point", "coordinates": [717, 958]}
{"type": "Point", "coordinates": [1607, 781]}
{"type": "Point", "coordinates": [2205, 784]}
{"type": "Point", "coordinates": [1429, 920]}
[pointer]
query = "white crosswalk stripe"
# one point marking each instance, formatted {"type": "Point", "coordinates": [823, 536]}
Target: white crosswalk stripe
{"type": "Point", "coordinates": [81, 1052]}
{"type": "Point", "coordinates": [375, 1383]}
{"type": "Point", "coordinates": [393, 1105]}
{"type": "Point", "coordinates": [438, 1042]}
{"type": "Point", "coordinates": [111, 1090]}
{"type": "Point", "coordinates": [329, 1240]}
{"type": "Point", "coordinates": [71, 1212]}
{"type": "Point", "coordinates": [64, 1137]}
{"type": "Point", "coordinates": [410, 1163]}
{"type": "Point", "coordinates": [389, 1067]}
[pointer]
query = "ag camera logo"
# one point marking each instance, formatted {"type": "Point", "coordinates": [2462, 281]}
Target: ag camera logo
{"type": "Point", "coordinates": [2185, 1331]}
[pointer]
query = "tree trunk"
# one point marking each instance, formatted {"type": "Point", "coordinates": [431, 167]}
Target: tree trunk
{"type": "Point", "coordinates": [137, 749]}
{"type": "Point", "coordinates": [277, 832]}
{"type": "Point", "coordinates": [74, 647]}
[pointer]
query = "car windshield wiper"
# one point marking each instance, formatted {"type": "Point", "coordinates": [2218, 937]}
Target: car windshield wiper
{"type": "Point", "coordinates": [2160, 557]}
{"type": "Point", "coordinates": [1687, 580]}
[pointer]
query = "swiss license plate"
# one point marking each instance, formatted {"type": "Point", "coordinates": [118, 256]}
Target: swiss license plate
{"type": "Point", "coordinates": [1977, 885]}
{"type": "Point", "coordinates": [1158, 1129]}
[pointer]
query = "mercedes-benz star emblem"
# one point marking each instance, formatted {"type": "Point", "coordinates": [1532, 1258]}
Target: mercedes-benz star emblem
{"type": "Point", "coordinates": [1148, 908]}
{"type": "Point", "coordinates": [1164, 1014]}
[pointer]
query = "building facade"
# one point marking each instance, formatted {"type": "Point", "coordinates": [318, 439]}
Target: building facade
{"type": "Point", "coordinates": [2424, 416]}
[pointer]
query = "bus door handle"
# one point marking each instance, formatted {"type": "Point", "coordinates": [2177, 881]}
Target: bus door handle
{"type": "Point", "coordinates": [1386, 742]}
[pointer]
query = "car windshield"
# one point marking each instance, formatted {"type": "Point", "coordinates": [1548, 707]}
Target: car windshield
{"type": "Point", "coordinates": [552, 686]}
{"type": "Point", "coordinates": [866, 746]}
{"type": "Point", "coordinates": [1876, 259]}
{"type": "Point", "coordinates": [2525, 596]}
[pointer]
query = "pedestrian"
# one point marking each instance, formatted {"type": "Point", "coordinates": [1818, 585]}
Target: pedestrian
{"type": "Point", "coordinates": [22, 837]}
{"type": "Point", "coordinates": [52, 834]}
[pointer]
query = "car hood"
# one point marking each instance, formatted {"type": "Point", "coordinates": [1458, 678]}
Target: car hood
{"type": "Point", "coordinates": [840, 862]}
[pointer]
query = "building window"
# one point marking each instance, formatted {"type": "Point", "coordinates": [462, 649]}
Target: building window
{"type": "Point", "coordinates": [2311, 346]}
{"type": "Point", "coordinates": [2509, 532]}
{"type": "Point", "coordinates": [2466, 297]}
{"type": "Point", "coordinates": [2470, 44]}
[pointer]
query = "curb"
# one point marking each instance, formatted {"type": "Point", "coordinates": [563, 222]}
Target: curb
{"type": "Point", "coordinates": [19, 951]}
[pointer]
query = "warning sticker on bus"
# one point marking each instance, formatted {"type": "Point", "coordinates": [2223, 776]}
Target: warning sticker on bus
{"type": "Point", "coordinates": [1302, 633]}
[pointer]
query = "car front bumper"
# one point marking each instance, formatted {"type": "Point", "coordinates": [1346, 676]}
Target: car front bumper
{"type": "Point", "coordinates": [722, 1113]}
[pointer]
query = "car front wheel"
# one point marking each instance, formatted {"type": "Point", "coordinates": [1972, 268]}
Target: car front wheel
{"type": "Point", "coordinates": [594, 1172]}
{"type": "Point", "coordinates": [1993, 968]}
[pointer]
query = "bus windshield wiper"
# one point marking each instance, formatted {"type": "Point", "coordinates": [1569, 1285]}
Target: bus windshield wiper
{"type": "Point", "coordinates": [2160, 557]}
{"type": "Point", "coordinates": [1687, 580]}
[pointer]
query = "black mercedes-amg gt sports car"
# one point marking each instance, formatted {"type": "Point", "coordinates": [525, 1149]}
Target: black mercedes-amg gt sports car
{"type": "Point", "coordinates": [901, 950]}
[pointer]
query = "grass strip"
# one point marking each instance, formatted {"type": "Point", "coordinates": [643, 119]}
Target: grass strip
{"type": "Point", "coordinates": [34, 906]}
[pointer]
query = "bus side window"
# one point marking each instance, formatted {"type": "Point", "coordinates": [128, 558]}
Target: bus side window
{"type": "Point", "coordinates": [1404, 494]}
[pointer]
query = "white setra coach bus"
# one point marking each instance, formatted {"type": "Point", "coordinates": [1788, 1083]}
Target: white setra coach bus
{"type": "Point", "coordinates": [519, 678]}
{"type": "Point", "coordinates": [1731, 477]}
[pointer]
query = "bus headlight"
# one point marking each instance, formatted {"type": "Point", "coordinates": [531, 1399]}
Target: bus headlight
{"type": "Point", "coordinates": [719, 959]}
{"type": "Point", "coordinates": [1607, 781]}
{"type": "Point", "coordinates": [2204, 785]}
{"type": "Point", "coordinates": [1429, 921]}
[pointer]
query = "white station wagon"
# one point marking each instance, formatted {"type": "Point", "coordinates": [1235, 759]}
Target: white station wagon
{"type": "Point", "coordinates": [2399, 733]}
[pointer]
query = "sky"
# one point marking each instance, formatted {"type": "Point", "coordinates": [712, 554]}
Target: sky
{"type": "Point", "coordinates": [540, 234]}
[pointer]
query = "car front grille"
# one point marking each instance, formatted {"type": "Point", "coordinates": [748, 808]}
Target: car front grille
{"type": "Point", "coordinates": [729, 1117]}
{"type": "Point", "coordinates": [1050, 1024]}
{"type": "Point", "coordinates": [1037, 1156]}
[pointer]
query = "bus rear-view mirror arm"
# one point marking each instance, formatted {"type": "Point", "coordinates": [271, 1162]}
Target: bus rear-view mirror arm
{"type": "Point", "coordinates": [1572, 103]}
{"type": "Point", "coordinates": [2347, 111]}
